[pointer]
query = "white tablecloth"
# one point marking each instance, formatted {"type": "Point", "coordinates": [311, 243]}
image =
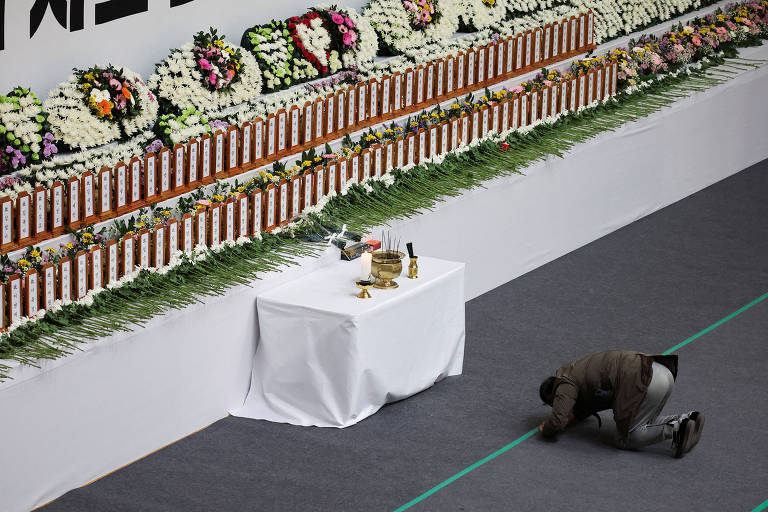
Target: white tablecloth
{"type": "Point", "coordinates": [329, 359]}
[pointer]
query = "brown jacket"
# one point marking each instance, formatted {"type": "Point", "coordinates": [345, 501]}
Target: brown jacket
{"type": "Point", "coordinates": [614, 379]}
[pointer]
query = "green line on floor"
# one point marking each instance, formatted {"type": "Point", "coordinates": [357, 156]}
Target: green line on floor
{"type": "Point", "coordinates": [716, 324]}
{"type": "Point", "coordinates": [530, 433]}
{"type": "Point", "coordinates": [467, 470]}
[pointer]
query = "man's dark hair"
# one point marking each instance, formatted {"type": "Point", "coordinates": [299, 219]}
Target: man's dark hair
{"type": "Point", "coordinates": [547, 390]}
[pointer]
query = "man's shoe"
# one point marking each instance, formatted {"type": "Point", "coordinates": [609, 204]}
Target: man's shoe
{"type": "Point", "coordinates": [681, 439]}
{"type": "Point", "coordinates": [698, 418]}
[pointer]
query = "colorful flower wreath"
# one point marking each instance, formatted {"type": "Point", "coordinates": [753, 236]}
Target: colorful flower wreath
{"type": "Point", "coordinates": [312, 39]}
{"type": "Point", "coordinates": [109, 94]}
{"type": "Point", "coordinates": [218, 63]}
{"type": "Point", "coordinates": [422, 13]}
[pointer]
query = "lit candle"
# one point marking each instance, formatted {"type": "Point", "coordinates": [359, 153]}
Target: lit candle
{"type": "Point", "coordinates": [365, 261]}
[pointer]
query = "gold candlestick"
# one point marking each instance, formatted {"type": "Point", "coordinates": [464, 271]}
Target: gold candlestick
{"type": "Point", "coordinates": [364, 285]}
{"type": "Point", "coordinates": [413, 268]}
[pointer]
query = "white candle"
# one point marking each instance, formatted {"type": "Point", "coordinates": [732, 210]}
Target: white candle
{"type": "Point", "coordinates": [365, 261]}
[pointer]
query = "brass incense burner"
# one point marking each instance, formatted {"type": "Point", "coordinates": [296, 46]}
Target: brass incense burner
{"type": "Point", "coordinates": [385, 267]}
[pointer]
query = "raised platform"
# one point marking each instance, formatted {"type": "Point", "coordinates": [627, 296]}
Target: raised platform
{"type": "Point", "coordinates": [83, 416]}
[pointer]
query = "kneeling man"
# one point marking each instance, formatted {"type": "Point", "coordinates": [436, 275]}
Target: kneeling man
{"type": "Point", "coordinates": [634, 385]}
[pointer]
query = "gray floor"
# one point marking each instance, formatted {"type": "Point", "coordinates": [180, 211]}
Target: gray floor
{"type": "Point", "coordinates": [647, 287]}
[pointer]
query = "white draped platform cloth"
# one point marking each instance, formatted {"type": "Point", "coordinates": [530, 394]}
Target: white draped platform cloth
{"type": "Point", "coordinates": [329, 359]}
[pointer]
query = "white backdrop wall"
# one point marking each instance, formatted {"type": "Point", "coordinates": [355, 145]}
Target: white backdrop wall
{"type": "Point", "coordinates": [137, 41]}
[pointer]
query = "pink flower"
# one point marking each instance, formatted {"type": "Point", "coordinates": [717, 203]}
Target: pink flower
{"type": "Point", "coordinates": [115, 84]}
{"type": "Point", "coordinates": [230, 75]}
{"type": "Point", "coordinates": [203, 202]}
{"type": "Point", "coordinates": [205, 64]}
{"type": "Point", "coordinates": [348, 22]}
{"type": "Point", "coordinates": [409, 5]}
{"type": "Point", "coordinates": [721, 30]}
{"type": "Point", "coordinates": [337, 18]}
{"type": "Point", "coordinates": [422, 2]}
{"type": "Point", "coordinates": [432, 8]}
{"type": "Point", "coordinates": [547, 82]}
{"type": "Point", "coordinates": [655, 59]}
{"type": "Point", "coordinates": [425, 15]}
{"type": "Point", "coordinates": [348, 38]}
{"type": "Point", "coordinates": [696, 40]}
{"type": "Point", "coordinates": [342, 29]}
{"type": "Point", "coordinates": [679, 48]}
{"type": "Point", "coordinates": [213, 78]}
{"type": "Point", "coordinates": [516, 89]}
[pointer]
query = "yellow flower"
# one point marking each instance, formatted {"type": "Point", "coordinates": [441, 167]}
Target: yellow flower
{"type": "Point", "coordinates": [306, 163]}
{"type": "Point", "coordinates": [157, 220]}
{"type": "Point", "coordinates": [357, 148]}
{"type": "Point", "coordinates": [219, 43]}
{"type": "Point", "coordinates": [87, 236]}
{"type": "Point", "coordinates": [455, 106]}
{"type": "Point", "coordinates": [217, 197]}
{"type": "Point", "coordinates": [140, 224]}
{"type": "Point", "coordinates": [379, 134]}
{"type": "Point", "coordinates": [131, 233]}
{"type": "Point", "coordinates": [166, 213]}
{"type": "Point", "coordinates": [70, 246]}
{"type": "Point", "coordinates": [233, 194]}
{"type": "Point", "coordinates": [35, 253]}
{"type": "Point", "coordinates": [241, 189]}
{"type": "Point", "coordinates": [318, 159]}
{"type": "Point", "coordinates": [23, 263]}
{"type": "Point", "coordinates": [199, 207]}
{"type": "Point", "coordinates": [50, 250]}
{"type": "Point", "coordinates": [370, 137]}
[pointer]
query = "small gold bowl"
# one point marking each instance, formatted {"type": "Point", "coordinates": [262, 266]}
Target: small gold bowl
{"type": "Point", "coordinates": [385, 267]}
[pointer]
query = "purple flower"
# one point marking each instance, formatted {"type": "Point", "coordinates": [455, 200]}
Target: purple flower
{"type": "Point", "coordinates": [495, 37]}
{"type": "Point", "coordinates": [155, 146]}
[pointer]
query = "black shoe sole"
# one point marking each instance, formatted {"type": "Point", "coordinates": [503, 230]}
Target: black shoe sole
{"type": "Point", "coordinates": [686, 433]}
{"type": "Point", "coordinates": [698, 420]}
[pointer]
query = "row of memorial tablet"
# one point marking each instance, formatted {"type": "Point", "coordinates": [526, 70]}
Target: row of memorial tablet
{"type": "Point", "coordinates": [171, 172]}
{"type": "Point", "coordinates": [277, 205]}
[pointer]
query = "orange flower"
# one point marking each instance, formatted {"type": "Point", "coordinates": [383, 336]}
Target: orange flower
{"type": "Point", "coordinates": [126, 93]}
{"type": "Point", "coordinates": [106, 107]}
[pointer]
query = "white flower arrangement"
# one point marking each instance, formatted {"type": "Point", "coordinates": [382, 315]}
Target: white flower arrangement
{"type": "Point", "coordinates": [74, 122]}
{"type": "Point", "coordinates": [392, 23]}
{"type": "Point", "coordinates": [315, 39]}
{"type": "Point", "coordinates": [360, 49]}
{"type": "Point", "coordinates": [479, 14]}
{"type": "Point", "coordinates": [178, 81]}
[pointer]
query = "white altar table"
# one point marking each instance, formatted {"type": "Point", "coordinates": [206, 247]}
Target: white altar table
{"type": "Point", "coordinates": [329, 359]}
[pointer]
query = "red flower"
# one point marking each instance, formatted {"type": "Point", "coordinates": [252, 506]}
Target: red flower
{"type": "Point", "coordinates": [503, 146]}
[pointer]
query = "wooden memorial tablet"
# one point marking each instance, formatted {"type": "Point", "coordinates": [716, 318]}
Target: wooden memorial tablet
{"type": "Point", "coordinates": [214, 222]}
{"type": "Point", "coordinates": [283, 203]}
{"type": "Point", "coordinates": [80, 268]}
{"type": "Point", "coordinates": [495, 121]}
{"type": "Point", "coordinates": [257, 211]}
{"type": "Point", "coordinates": [105, 194]}
{"type": "Point", "coordinates": [88, 197]}
{"type": "Point", "coordinates": [519, 53]}
{"type": "Point", "coordinates": [461, 72]}
{"type": "Point", "coordinates": [386, 96]}
{"type": "Point", "coordinates": [553, 95]}
{"type": "Point", "coordinates": [562, 89]}
{"type": "Point", "coordinates": [410, 143]}
{"type": "Point", "coordinates": [193, 163]}
{"type": "Point", "coordinates": [481, 73]}
{"type": "Point", "coordinates": [112, 266]}
{"type": "Point", "coordinates": [295, 202]}
{"type": "Point", "coordinates": [484, 121]}
{"type": "Point", "coordinates": [282, 132]}
{"type": "Point", "coordinates": [343, 174]}
{"type": "Point", "coordinates": [378, 164]}
{"type": "Point", "coordinates": [591, 88]}
{"type": "Point", "coordinates": [127, 255]}
{"type": "Point", "coordinates": [271, 137]}
{"type": "Point", "coordinates": [544, 100]}
{"type": "Point", "coordinates": [547, 47]}
{"type": "Point", "coordinates": [439, 86]}
{"type": "Point", "coordinates": [143, 248]}
{"type": "Point", "coordinates": [410, 85]}
{"type": "Point", "coordinates": [573, 90]}
{"type": "Point", "coordinates": [400, 152]}
{"type": "Point", "coordinates": [443, 137]}
{"type": "Point", "coordinates": [330, 117]}
{"type": "Point", "coordinates": [31, 293]}
{"type": "Point", "coordinates": [582, 90]}
{"type": "Point", "coordinates": [421, 84]}
{"type": "Point", "coordinates": [501, 58]}
{"type": "Point", "coordinates": [57, 209]}
{"type": "Point", "coordinates": [318, 184]}
{"type": "Point", "coordinates": [529, 49]}
{"type": "Point", "coordinates": [259, 142]}
{"type": "Point", "coordinates": [96, 268]}
{"type": "Point", "coordinates": [134, 184]}
{"type": "Point", "coordinates": [307, 123]}
{"type": "Point", "coordinates": [572, 29]}
{"type": "Point", "coordinates": [362, 104]}
{"type": "Point", "coordinates": [40, 214]}
{"type": "Point", "coordinates": [389, 157]}
{"type": "Point", "coordinates": [600, 83]}
{"type": "Point", "coordinates": [397, 93]}
{"type": "Point", "coordinates": [242, 219]}
{"type": "Point", "coordinates": [614, 78]}
{"type": "Point", "coordinates": [201, 227]}
{"type": "Point", "coordinates": [454, 132]}
{"type": "Point", "coordinates": [229, 220]}
{"type": "Point", "coordinates": [505, 117]}
{"type": "Point", "coordinates": [294, 128]}
{"type": "Point", "coordinates": [3, 300]}
{"type": "Point", "coordinates": [590, 29]}
{"type": "Point", "coordinates": [582, 36]}
{"type": "Point", "coordinates": [341, 109]}
{"type": "Point", "coordinates": [65, 279]}
{"type": "Point", "coordinates": [187, 233]}
{"type": "Point", "coordinates": [23, 219]}
{"type": "Point", "coordinates": [178, 172]}
{"type": "Point", "coordinates": [474, 125]}
{"type": "Point", "coordinates": [471, 77]}
{"type": "Point", "coordinates": [232, 166]}
{"type": "Point", "coordinates": [14, 299]}
{"type": "Point", "coordinates": [351, 113]}
{"type": "Point", "coordinates": [150, 178]}
{"type": "Point", "coordinates": [48, 285]}
{"type": "Point", "coordinates": [73, 203]}
{"type": "Point", "coordinates": [510, 53]}
{"type": "Point", "coordinates": [374, 112]}
{"type": "Point", "coordinates": [514, 122]}
{"type": "Point", "coordinates": [319, 117]}
{"type": "Point", "coordinates": [525, 101]}
{"type": "Point", "coordinates": [332, 178]}
{"type": "Point", "coordinates": [534, 105]}
{"type": "Point", "coordinates": [450, 75]}
{"type": "Point", "coordinates": [246, 146]}
{"type": "Point", "coordinates": [171, 239]}
{"type": "Point", "coordinates": [306, 184]}
{"type": "Point", "coordinates": [365, 156]}
{"type": "Point", "coordinates": [537, 46]}
{"type": "Point", "coordinates": [157, 243]}
{"type": "Point", "coordinates": [164, 173]}
{"type": "Point", "coordinates": [219, 148]}
{"type": "Point", "coordinates": [556, 39]}
{"type": "Point", "coordinates": [465, 125]}
{"type": "Point", "coordinates": [432, 142]}
{"type": "Point", "coordinates": [490, 69]}
{"type": "Point", "coordinates": [354, 168]}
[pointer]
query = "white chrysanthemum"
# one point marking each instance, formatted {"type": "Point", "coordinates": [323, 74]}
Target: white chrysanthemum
{"type": "Point", "coordinates": [392, 23]}
{"type": "Point", "coordinates": [480, 15]}
{"type": "Point", "coordinates": [178, 81]}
